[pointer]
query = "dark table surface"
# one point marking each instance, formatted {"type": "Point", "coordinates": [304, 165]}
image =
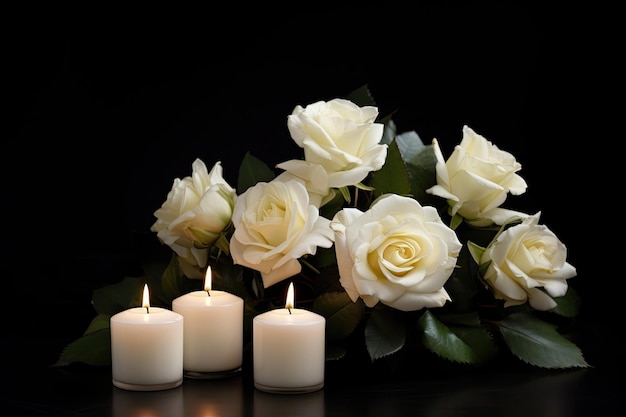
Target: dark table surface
{"type": "Point", "coordinates": [34, 387]}
{"type": "Point", "coordinates": [63, 392]}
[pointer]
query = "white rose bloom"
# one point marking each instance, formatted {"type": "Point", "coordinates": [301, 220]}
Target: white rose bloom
{"type": "Point", "coordinates": [339, 136]}
{"type": "Point", "coordinates": [275, 225]}
{"type": "Point", "coordinates": [198, 208]}
{"type": "Point", "coordinates": [398, 252]}
{"type": "Point", "coordinates": [476, 180]}
{"type": "Point", "coordinates": [525, 258]}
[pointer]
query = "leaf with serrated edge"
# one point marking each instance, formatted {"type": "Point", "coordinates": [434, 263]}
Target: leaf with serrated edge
{"type": "Point", "coordinates": [362, 96]}
{"type": "Point", "coordinates": [439, 339]}
{"type": "Point", "coordinates": [335, 351]}
{"type": "Point", "coordinates": [101, 321]}
{"type": "Point", "coordinates": [409, 145]}
{"type": "Point", "coordinates": [389, 132]}
{"type": "Point", "coordinates": [539, 343]}
{"type": "Point", "coordinates": [92, 349]}
{"type": "Point", "coordinates": [384, 334]}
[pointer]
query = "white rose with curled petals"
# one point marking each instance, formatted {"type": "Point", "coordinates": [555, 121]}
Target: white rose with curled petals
{"type": "Point", "coordinates": [197, 209]}
{"type": "Point", "coordinates": [476, 180]}
{"type": "Point", "coordinates": [523, 260]}
{"type": "Point", "coordinates": [338, 136]}
{"type": "Point", "coordinates": [275, 225]}
{"type": "Point", "coordinates": [398, 253]}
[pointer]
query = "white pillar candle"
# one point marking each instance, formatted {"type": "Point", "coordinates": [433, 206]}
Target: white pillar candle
{"type": "Point", "coordinates": [213, 336]}
{"type": "Point", "coordinates": [289, 349]}
{"type": "Point", "coordinates": [147, 348]}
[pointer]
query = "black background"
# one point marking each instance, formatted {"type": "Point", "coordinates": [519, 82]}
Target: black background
{"type": "Point", "coordinates": [107, 107]}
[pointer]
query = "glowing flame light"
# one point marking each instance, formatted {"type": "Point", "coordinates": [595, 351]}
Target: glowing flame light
{"type": "Point", "coordinates": [207, 281]}
{"type": "Point", "coordinates": [290, 297]}
{"type": "Point", "coordinates": [146, 298]}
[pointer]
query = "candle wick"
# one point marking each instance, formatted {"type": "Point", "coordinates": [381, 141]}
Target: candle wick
{"type": "Point", "coordinates": [208, 292]}
{"type": "Point", "coordinates": [289, 310]}
{"type": "Point", "coordinates": [148, 310]}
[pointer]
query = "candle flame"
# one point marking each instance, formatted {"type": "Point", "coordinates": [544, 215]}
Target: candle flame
{"type": "Point", "coordinates": [207, 281]}
{"type": "Point", "coordinates": [290, 297]}
{"type": "Point", "coordinates": [146, 298]}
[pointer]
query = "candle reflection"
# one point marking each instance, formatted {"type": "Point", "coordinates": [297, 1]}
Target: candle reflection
{"type": "Point", "coordinates": [205, 398]}
{"type": "Point", "coordinates": [302, 405]}
{"type": "Point", "coordinates": [214, 398]}
{"type": "Point", "coordinates": [168, 403]}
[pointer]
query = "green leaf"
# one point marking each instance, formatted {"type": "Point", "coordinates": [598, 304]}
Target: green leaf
{"type": "Point", "coordinates": [251, 171]}
{"type": "Point", "coordinates": [117, 297]}
{"type": "Point", "coordinates": [410, 145]}
{"type": "Point", "coordinates": [456, 221]}
{"type": "Point", "coordinates": [362, 96]}
{"type": "Point", "coordinates": [468, 327]}
{"type": "Point", "coordinates": [421, 170]}
{"type": "Point", "coordinates": [363, 187]}
{"type": "Point", "coordinates": [392, 177]}
{"type": "Point", "coordinates": [389, 132]}
{"type": "Point", "coordinates": [329, 209]}
{"type": "Point", "coordinates": [101, 321]}
{"type": "Point", "coordinates": [342, 315]}
{"type": "Point", "coordinates": [92, 349]}
{"type": "Point", "coordinates": [223, 242]}
{"type": "Point", "coordinates": [442, 341]}
{"type": "Point", "coordinates": [538, 343]}
{"type": "Point", "coordinates": [476, 251]}
{"type": "Point", "coordinates": [462, 285]}
{"type": "Point", "coordinates": [424, 160]}
{"type": "Point", "coordinates": [172, 283]}
{"type": "Point", "coordinates": [335, 351]}
{"type": "Point", "coordinates": [568, 305]}
{"type": "Point", "coordinates": [345, 193]}
{"type": "Point", "coordinates": [384, 334]}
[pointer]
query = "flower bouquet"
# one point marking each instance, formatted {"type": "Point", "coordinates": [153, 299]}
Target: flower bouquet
{"type": "Point", "coordinates": [397, 246]}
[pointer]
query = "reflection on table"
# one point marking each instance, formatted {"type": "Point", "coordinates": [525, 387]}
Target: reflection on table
{"type": "Point", "coordinates": [205, 398]}
{"type": "Point", "coordinates": [348, 391]}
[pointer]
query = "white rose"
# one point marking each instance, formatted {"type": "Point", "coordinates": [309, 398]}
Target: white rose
{"type": "Point", "coordinates": [525, 258]}
{"type": "Point", "coordinates": [198, 208]}
{"type": "Point", "coordinates": [476, 180]}
{"type": "Point", "coordinates": [275, 225]}
{"type": "Point", "coordinates": [398, 252]}
{"type": "Point", "coordinates": [339, 136]}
